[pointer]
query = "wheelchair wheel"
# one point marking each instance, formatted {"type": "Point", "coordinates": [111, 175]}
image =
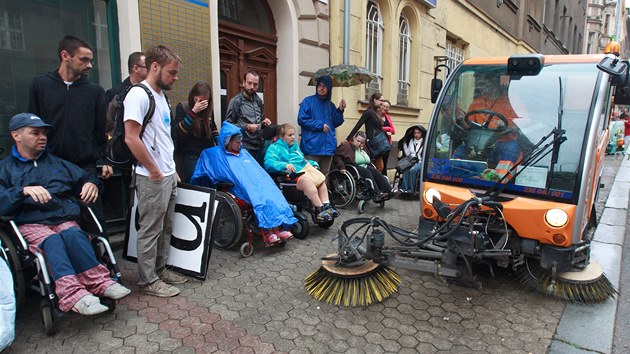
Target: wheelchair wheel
{"type": "Point", "coordinates": [47, 317]}
{"type": "Point", "coordinates": [15, 264]}
{"type": "Point", "coordinates": [247, 249]}
{"type": "Point", "coordinates": [341, 187]}
{"type": "Point", "coordinates": [361, 207]}
{"type": "Point", "coordinates": [301, 228]}
{"type": "Point", "coordinates": [325, 224]}
{"type": "Point", "coordinates": [227, 227]}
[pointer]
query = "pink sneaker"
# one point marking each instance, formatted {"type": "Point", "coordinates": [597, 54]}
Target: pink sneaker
{"type": "Point", "coordinates": [269, 237]}
{"type": "Point", "coordinates": [284, 235]}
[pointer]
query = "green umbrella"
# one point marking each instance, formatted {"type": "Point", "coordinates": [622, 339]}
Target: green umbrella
{"type": "Point", "coordinates": [344, 75]}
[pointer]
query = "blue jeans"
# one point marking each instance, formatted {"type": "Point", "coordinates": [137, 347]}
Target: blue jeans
{"type": "Point", "coordinates": [69, 253]}
{"type": "Point", "coordinates": [410, 177]}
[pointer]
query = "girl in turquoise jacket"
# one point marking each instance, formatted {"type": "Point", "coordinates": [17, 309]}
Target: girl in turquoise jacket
{"type": "Point", "coordinates": [285, 156]}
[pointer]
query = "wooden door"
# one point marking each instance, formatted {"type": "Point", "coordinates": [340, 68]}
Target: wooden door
{"type": "Point", "coordinates": [243, 49]}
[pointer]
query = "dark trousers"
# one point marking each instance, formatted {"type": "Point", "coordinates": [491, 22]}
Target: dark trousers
{"type": "Point", "coordinates": [380, 182]}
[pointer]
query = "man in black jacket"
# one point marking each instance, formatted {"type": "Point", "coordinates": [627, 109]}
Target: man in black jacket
{"type": "Point", "coordinates": [137, 72]}
{"type": "Point", "coordinates": [76, 108]}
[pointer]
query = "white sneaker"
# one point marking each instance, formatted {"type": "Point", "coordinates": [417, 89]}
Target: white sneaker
{"type": "Point", "coordinates": [160, 289]}
{"type": "Point", "coordinates": [116, 291]}
{"type": "Point", "coordinates": [172, 278]}
{"type": "Point", "coordinates": [89, 305]}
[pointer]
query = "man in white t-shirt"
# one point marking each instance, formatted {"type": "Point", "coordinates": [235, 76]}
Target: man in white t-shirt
{"type": "Point", "coordinates": [155, 176]}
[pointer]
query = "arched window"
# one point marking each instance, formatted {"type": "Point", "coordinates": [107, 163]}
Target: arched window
{"type": "Point", "coordinates": [404, 46]}
{"type": "Point", "coordinates": [374, 47]}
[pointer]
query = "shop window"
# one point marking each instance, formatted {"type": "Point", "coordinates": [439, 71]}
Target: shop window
{"type": "Point", "coordinates": [30, 32]}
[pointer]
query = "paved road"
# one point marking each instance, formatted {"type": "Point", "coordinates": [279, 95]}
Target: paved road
{"type": "Point", "coordinates": [258, 305]}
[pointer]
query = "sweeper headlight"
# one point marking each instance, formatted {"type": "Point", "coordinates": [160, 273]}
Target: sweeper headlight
{"type": "Point", "coordinates": [556, 217]}
{"type": "Point", "coordinates": [430, 193]}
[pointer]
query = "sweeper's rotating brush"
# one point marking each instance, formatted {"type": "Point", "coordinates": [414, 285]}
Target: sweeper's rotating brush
{"type": "Point", "coordinates": [351, 286]}
{"type": "Point", "coordinates": [587, 286]}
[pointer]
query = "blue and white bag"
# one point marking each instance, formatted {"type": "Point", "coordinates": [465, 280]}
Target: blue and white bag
{"type": "Point", "coordinates": [7, 305]}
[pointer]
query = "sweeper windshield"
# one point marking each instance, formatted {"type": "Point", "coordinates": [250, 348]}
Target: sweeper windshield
{"type": "Point", "coordinates": [489, 123]}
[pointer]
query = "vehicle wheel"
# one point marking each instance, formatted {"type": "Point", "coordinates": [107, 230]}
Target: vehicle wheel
{"type": "Point", "coordinates": [361, 207]}
{"type": "Point", "coordinates": [15, 264]}
{"type": "Point", "coordinates": [301, 228]}
{"type": "Point", "coordinates": [47, 317]}
{"type": "Point", "coordinates": [341, 188]}
{"type": "Point", "coordinates": [247, 249]}
{"type": "Point", "coordinates": [227, 226]}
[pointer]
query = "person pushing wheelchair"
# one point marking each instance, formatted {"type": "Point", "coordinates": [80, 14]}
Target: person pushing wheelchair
{"type": "Point", "coordinates": [43, 192]}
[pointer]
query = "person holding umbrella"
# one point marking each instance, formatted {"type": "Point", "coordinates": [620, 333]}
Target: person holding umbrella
{"type": "Point", "coordinates": [318, 117]}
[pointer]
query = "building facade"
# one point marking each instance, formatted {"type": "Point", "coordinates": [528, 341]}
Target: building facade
{"type": "Point", "coordinates": [286, 41]}
{"type": "Point", "coordinates": [401, 41]}
{"type": "Point", "coordinates": [606, 19]}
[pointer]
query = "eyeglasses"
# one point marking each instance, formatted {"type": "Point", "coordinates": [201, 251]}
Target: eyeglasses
{"type": "Point", "coordinates": [141, 66]}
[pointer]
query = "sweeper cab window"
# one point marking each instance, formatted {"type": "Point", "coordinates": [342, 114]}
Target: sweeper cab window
{"type": "Point", "coordinates": [489, 122]}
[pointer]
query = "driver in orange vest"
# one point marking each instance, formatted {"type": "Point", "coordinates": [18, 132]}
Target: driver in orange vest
{"type": "Point", "coordinates": [494, 97]}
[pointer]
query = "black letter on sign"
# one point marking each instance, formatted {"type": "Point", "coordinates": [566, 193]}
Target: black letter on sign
{"type": "Point", "coordinates": [190, 211]}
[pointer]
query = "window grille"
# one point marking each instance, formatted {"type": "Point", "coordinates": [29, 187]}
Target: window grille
{"type": "Point", "coordinates": [454, 54]}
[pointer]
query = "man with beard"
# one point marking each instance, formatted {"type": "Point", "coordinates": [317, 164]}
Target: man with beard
{"type": "Point", "coordinates": [76, 108]}
{"type": "Point", "coordinates": [246, 111]}
{"type": "Point", "coordinates": [155, 176]}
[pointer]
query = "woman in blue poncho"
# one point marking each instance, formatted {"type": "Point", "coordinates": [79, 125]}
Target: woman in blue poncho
{"type": "Point", "coordinates": [230, 163]}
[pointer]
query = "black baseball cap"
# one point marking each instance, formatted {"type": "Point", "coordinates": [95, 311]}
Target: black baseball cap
{"type": "Point", "coordinates": [22, 120]}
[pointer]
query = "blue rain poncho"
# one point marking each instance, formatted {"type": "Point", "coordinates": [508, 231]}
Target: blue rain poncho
{"type": "Point", "coordinates": [251, 182]}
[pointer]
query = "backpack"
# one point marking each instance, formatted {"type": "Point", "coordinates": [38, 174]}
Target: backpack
{"type": "Point", "coordinates": [118, 153]}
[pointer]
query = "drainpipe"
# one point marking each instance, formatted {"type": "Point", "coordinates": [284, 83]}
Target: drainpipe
{"type": "Point", "coordinates": [346, 32]}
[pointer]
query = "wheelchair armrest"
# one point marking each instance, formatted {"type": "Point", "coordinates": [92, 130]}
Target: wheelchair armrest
{"type": "Point", "coordinates": [223, 185]}
{"type": "Point", "coordinates": [92, 218]}
{"type": "Point", "coordinates": [18, 234]}
{"type": "Point", "coordinates": [284, 178]}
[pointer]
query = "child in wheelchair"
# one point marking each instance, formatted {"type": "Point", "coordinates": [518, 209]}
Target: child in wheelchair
{"type": "Point", "coordinates": [355, 153]}
{"type": "Point", "coordinates": [40, 191]}
{"type": "Point", "coordinates": [230, 163]}
{"type": "Point", "coordinates": [285, 157]}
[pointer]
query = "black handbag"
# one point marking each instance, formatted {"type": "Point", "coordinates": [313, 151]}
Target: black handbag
{"type": "Point", "coordinates": [406, 163]}
{"type": "Point", "coordinates": [379, 145]}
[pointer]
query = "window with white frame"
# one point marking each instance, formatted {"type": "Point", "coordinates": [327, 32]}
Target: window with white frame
{"type": "Point", "coordinates": [404, 52]}
{"type": "Point", "coordinates": [454, 54]}
{"type": "Point", "coordinates": [374, 47]}
{"type": "Point", "coordinates": [11, 32]}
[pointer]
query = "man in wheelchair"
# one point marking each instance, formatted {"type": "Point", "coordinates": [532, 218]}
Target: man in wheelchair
{"type": "Point", "coordinates": [40, 190]}
{"type": "Point", "coordinates": [231, 163]}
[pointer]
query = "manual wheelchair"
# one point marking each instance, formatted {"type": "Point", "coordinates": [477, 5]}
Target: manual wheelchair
{"type": "Point", "coordinates": [347, 186]}
{"type": "Point", "coordinates": [235, 223]}
{"type": "Point", "coordinates": [30, 270]}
